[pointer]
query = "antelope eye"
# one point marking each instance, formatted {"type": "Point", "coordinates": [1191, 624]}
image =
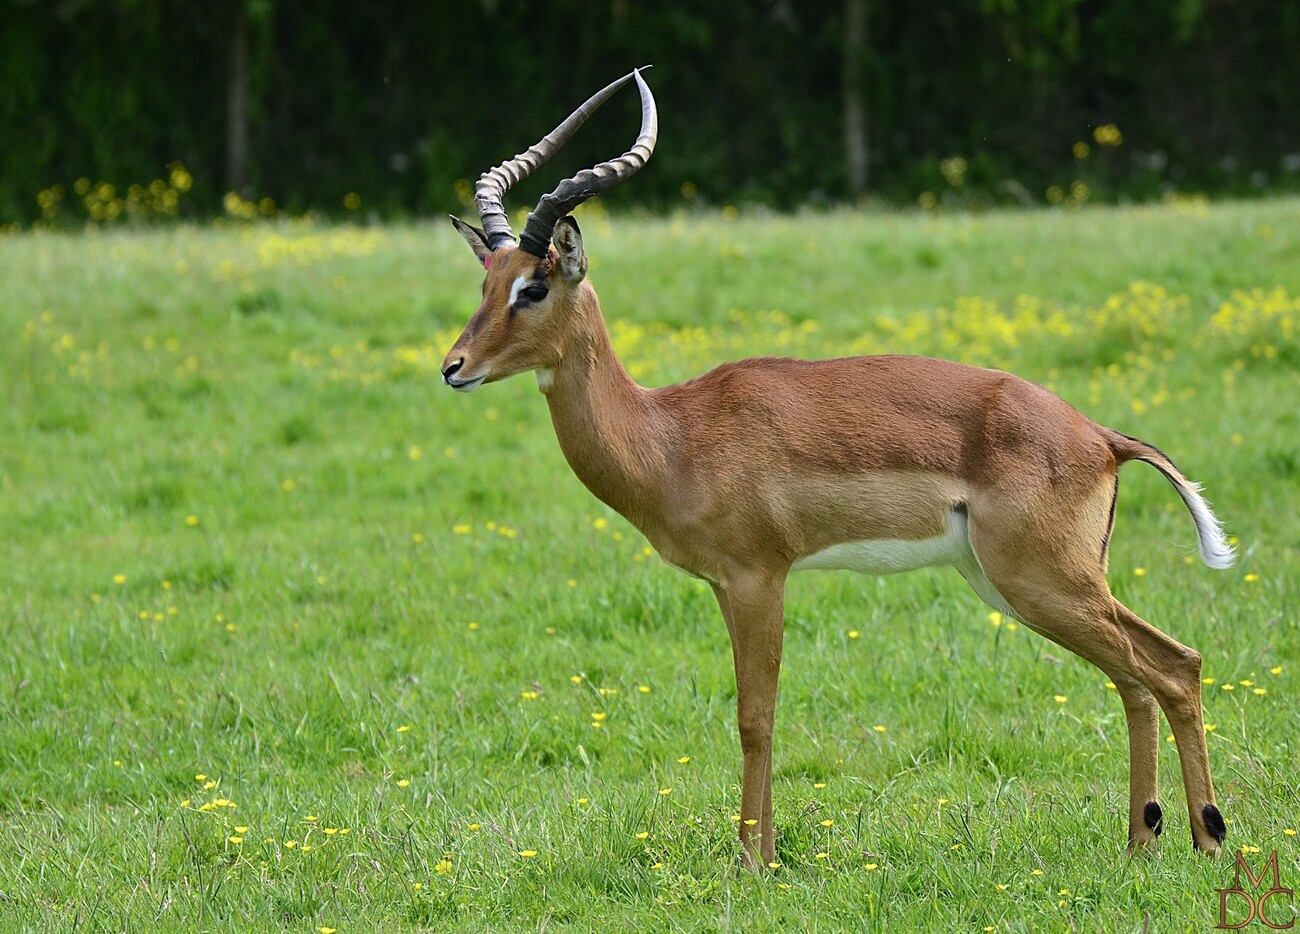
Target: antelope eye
{"type": "Point", "coordinates": [534, 293]}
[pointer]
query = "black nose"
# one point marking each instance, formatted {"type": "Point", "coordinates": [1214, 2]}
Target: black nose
{"type": "Point", "coordinates": [450, 369]}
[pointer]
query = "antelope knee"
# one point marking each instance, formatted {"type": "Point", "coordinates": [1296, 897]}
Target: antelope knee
{"type": "Point", "coordinates": [755, 734]}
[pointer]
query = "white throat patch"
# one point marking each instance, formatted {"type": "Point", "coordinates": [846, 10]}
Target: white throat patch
{"type": "Point", "coordinates": [545, 378]}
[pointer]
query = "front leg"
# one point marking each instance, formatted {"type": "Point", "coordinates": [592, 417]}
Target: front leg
{"type": "Point", "coordinates": [753, 607]}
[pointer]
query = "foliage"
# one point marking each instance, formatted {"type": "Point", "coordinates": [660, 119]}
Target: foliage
{"type": "Point", "coordinates": [296, 638]}
{"type": "Point", "coordinates": [394, 103]}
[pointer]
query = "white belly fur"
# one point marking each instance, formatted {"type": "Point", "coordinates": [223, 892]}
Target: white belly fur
{"type": "Point", "coordinates": [892, 556]}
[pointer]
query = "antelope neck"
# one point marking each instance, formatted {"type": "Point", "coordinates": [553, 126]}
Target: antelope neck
{"type": "Point", "coordinates": [606, 423]}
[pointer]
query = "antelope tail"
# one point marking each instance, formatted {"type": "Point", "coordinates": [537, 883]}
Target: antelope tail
{"type": "Point", "coordinates": [1213, 544]}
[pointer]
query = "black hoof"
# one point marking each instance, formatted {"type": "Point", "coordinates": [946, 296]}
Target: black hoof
{"type": "Point", "coordinates": [1214, 822]}
{"type": "Point", "coordinates": [1153, 817]}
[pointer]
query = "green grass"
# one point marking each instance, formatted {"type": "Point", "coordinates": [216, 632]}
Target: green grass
{"type": "Point", "coordinates": [248, 535]}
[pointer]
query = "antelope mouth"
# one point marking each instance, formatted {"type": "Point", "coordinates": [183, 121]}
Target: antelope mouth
{"type": "Point", "coordinates": [465, 385]}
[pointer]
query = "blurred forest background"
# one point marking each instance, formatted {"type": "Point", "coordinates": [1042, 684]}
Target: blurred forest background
{"type": "Point", "coordinates": [390, 106]}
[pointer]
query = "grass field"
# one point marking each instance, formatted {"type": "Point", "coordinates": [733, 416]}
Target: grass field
{"type": "Point", "coordinates": [295, 638]}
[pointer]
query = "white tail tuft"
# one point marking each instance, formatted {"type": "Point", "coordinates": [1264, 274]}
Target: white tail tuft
{"type": "Point", "coordinates": [1214, 546]}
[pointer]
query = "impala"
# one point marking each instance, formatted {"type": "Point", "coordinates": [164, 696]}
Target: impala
{"type": "Point", "coordinates": [874, 464]}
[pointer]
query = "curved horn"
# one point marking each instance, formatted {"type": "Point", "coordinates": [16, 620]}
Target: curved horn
{"type": "Point", "coordinates": [573, 191]}
{"type": "Point", "coordinates": [494, 183]}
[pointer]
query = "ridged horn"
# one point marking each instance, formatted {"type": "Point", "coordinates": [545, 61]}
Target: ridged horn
{"type": "Point", "coordinates": [573, 191]}
{"type": "Point", "coordinates": [494, 183]}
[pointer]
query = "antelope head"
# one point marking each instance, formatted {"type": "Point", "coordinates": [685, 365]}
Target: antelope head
{"type": "Point", "coordinates": [532, 285]}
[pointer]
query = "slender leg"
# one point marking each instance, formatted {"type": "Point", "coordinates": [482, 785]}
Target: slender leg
{"type": "Point", "coordinates": [1174, 676]}
{"type": "Point", "coordinates": [1063, 595]}
{"type": "Point", "coordinates": [1145, 818]}
{"type": "Point", "coordinates": [1142, 713]}
{"type": "Point", "coordinates": [753, 608]}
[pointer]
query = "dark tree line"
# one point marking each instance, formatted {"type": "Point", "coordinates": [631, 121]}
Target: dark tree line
{"type": "Point", "coordinates": [772, 101]}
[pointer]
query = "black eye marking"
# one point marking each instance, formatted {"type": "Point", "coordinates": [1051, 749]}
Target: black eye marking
{"type": "Point", "coordinates": [534, 293]}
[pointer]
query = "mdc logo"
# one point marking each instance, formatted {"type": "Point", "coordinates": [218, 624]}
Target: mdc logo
{"type": "Point", "coordinates": [1257, 904]}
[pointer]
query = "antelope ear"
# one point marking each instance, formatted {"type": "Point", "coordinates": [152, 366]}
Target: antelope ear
{"type": "Point", "coordinates": [568, 243]}
{"type": "Point", "coordinates": [476, 239]}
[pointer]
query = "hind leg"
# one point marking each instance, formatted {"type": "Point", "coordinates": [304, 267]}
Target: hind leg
{"type": "Point", "coordinates": [1145, 819]}
{"type": "Point", "coordinates": [1141, 712]}
{"type": "Point", "coordinates": [1176, 684]}
{"type": "Point", "coordinates": [1058, 588]}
